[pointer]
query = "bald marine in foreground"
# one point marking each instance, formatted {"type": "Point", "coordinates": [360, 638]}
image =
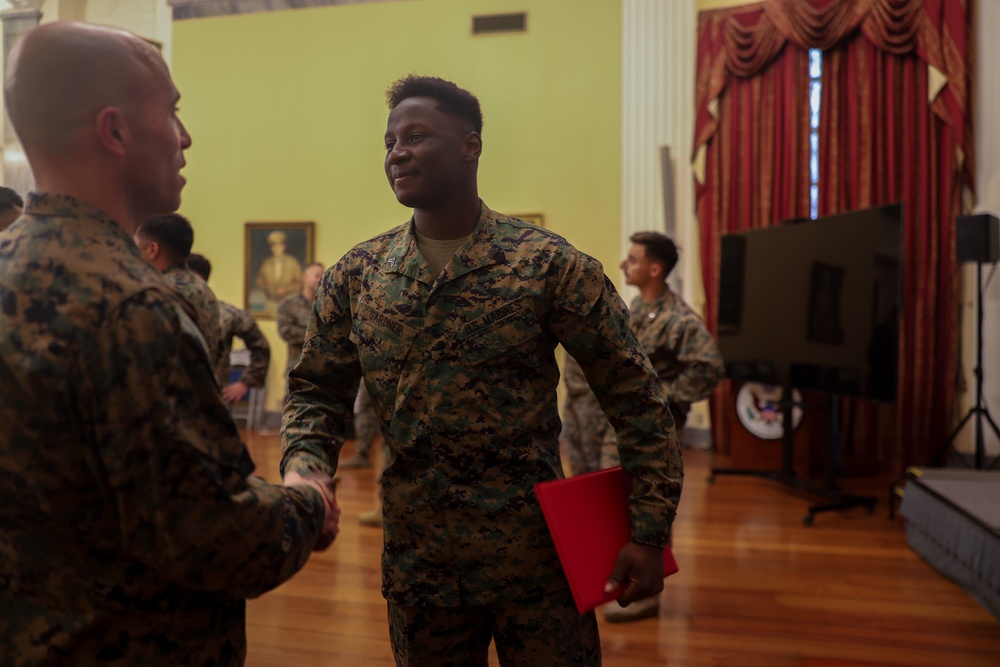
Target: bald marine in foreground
{"type": "Point", "coordinates": [131, 532]}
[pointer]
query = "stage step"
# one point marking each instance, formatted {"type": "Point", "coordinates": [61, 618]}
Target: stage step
{"type": "Point", "coordinates": [953, 522]}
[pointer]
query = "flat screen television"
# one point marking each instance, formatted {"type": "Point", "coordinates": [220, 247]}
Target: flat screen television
{"type": "Point", "coordinates": [815, 304]}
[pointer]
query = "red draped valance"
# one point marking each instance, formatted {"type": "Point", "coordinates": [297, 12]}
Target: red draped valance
{"type": "Point", "coordinates": [742, 41]}
{"type": "Point", "coordinates": [895, 125]}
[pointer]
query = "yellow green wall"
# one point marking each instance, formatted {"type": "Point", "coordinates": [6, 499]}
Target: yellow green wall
{"type": "Point", "coordinates": [287, 112]}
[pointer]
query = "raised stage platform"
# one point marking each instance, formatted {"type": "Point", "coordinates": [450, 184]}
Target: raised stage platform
{"type": "Point", "coordinates": [953, 522]}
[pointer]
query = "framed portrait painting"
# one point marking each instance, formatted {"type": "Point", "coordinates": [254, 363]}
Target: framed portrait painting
{"type": "Point", "coordinates": [275, 253]}
{"type": "Point", "coordinates": [537, 219]}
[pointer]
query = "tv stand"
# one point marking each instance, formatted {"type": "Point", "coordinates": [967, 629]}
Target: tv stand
{"type": "Point", "coordinates": [834, 498]}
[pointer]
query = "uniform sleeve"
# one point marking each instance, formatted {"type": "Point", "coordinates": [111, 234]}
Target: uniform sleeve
{"type": "Point", "coordinates": [222, 367]}
{"type": "Point", "coordinates": [698, 360]}
{"type": "Point", "coordinates": [591, 322]}
{"type": "Point", "coordinates": [255, 374]}
{"type": "Point", "coordinates": [323, 386]}
{"type": "Point", "coordinates": [175, 467]}
{"type": "Point", "coordinates": [289, 327]}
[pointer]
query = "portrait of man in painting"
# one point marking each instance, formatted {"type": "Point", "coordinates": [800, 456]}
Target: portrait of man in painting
{"type": "Point", "coordinates": [276, 252]}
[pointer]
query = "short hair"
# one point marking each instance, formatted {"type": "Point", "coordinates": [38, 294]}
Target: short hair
{"type": "Point", "coordinates": [452, 100]}
{"type": "Point", "coordinates": [9, 199]}
{"type": "Point", "coordinates": [62, 74]}
{"type": "Point", "coordinates": [659, 248]}
{"type": "Point", "coordinates": [172, 231]}
{"type": "Point", "coordinates": [200, 265]}
{"type": "Point", "coordinates": [277, 237]}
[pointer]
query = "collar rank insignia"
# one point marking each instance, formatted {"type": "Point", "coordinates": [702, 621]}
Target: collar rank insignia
{"type": "Point", "coordinates": [392, 262]}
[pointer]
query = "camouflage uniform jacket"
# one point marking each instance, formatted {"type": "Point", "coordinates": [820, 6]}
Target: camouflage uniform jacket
{"type": "Point", "coordinates": [237, 322]}
{"type": "Point", "coordinates": [462, 375]}
{"type": "Point", "coordinates": [682, 350]}
{"type": "Point", "coordinates": [293, 318]}
{"type": "Point", "coordinates": [130, 529]}
{"type": "Point", "coordinates": [200, 304]}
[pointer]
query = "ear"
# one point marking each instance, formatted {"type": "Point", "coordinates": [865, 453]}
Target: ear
{"type": "Point", "coordinates": [150, 251]}
{"type": "Point", "coordinates": [111, 130]}
{"type": "Point", "coordinates": [656, 270]}
{"type": "Point", "coordinates": [473, 147]}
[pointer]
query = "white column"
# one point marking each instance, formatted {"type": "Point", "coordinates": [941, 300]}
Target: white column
{"type": "Point", "coordinates": [659, 43]}
{"type": "Point", "coordinates": [987, 140]}
{"type": "Point", "coordinates": [658, 63]}
{"type": "Point", "coordinates": [16, 173]}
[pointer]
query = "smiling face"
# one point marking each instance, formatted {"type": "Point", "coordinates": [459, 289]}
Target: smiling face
{"type": "Point", "coordinates": [431, 157]}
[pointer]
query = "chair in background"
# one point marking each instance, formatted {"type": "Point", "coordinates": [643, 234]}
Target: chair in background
{"type": "Point", "coordinates": [250, 409]}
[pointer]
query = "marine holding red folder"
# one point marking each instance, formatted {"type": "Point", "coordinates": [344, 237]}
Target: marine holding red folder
{"type": "Point", "coordinates": [588, 517]}
{"type": "Point", "coordinates": [451, 320]}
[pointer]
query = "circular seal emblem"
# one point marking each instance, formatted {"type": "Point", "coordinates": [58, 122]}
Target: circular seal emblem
{"type": "Point", "coordinates": [757, 406]}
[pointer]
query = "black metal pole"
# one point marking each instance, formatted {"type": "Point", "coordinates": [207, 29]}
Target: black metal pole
{"type": "Point", "coordinates": [788, 437]}
{"type": "Point", "coordinates": [980, 445]}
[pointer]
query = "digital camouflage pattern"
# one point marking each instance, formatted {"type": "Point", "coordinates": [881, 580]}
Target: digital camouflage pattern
{"type": "Point", "coordinates": [685, 357]}
{"type": "Point", "coordinates": [585, 428]}
{"type": "Point", "coordinates": [130, 528]}
{"type": "Point", "coordinates": [545, 631]}
{"type": "Point", "coordinates": [293, 319]}
{"type": "Point", "coordinates": [238, 323]}
{"type": "Point", "coordinates": [462, 374]}
{"type": "Point", "coordinates": [681, 349]}
{"type": "Point", "coordinates": [200, 304]}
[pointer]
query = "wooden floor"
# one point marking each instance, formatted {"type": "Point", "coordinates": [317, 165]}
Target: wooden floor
{"type": "Point", "coordinates": [755, 588]}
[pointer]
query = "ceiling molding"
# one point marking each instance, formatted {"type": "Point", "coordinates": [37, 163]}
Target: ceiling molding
{"type": "Point", "coordinates": [196, 9]}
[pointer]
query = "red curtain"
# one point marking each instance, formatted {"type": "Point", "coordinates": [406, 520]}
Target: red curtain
{"type": "Point", "coordinates": [756, 157]}
{"type": "Point", "coordinates": [884, 138]}
{"type": "Point", "coordinates": [881, 141]}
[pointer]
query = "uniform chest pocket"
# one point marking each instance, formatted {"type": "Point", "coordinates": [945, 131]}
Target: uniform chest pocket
{"type": "Point", "coordinates": [383, 344]}
{"type": "Point", "coordinates": [501, 351]}
{"type": "Point", "coordinates": [503, 331]}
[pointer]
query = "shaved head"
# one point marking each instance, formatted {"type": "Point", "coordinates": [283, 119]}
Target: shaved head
{"type": "Point", "coordinates": [96, 111]}
{"type": "Point", "coordinates": [61, 75]}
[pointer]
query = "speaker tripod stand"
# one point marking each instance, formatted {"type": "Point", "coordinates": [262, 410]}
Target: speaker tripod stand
{"type": "Point", "coordinates": [977, 241]}
{"type": "Point", "coordinates": [979, 410]}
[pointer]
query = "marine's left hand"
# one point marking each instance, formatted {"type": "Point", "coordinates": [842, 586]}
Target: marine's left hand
{"type": "Point", "coordinates": [638, 573]}
{"type": "Point", "coordinates": [234, 392]}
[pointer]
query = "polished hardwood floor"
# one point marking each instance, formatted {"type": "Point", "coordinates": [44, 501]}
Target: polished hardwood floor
{"type": "Point", "coordinates": [755, 587]}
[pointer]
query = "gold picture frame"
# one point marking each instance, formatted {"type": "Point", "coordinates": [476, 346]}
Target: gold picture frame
{"type": "Point", "coordinates": [275, 253]}
{"type": "Point", "coordinates": [537, 219]}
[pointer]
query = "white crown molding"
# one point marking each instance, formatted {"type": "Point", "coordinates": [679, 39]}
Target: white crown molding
{"type": "Point", "coordinates": [194, 9]}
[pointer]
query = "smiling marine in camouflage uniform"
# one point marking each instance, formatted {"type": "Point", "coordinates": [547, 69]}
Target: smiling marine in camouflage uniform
{"type": "Point", "coordinates": [452, 320]}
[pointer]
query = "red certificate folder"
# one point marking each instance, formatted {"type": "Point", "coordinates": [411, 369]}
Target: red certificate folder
{"type": "Point", "coordinates": [589, 520]}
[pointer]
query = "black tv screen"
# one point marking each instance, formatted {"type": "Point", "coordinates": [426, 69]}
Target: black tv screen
{"type": "Point", "coordinates": [815, 304]}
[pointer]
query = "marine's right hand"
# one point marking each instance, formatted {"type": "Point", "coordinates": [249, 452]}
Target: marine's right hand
{"type": "Point", "coordinates": [327, 488]}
